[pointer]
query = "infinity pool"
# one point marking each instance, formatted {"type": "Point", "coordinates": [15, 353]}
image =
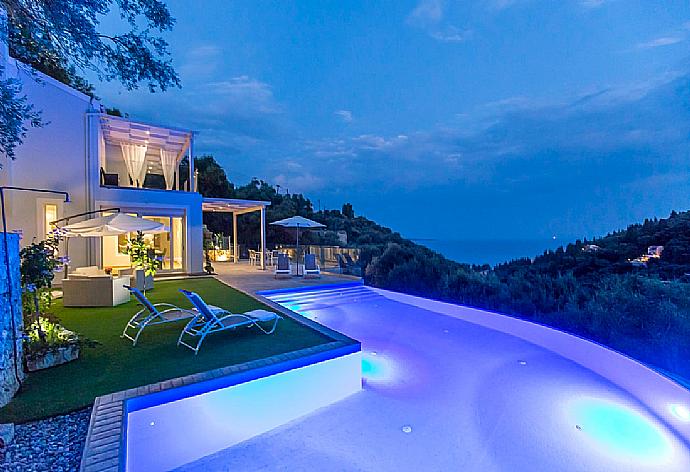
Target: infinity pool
{"type": "Point", "coordinates": [452, 388]}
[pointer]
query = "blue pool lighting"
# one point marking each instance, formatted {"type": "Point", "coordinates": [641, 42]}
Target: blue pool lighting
{"type": "Point", "coordinates": [621, 429]}
{"type": "Point", "coordinates": [407, 429]}
{"type": "Point", "coordinates": [377, 368]}
{"type": "Point", "coordinates": [681, 411]}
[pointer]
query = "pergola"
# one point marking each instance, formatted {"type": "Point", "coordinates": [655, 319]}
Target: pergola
{"type": "Point", "coordinates": [239, 207]}
{"type": "Point", "coordinates": [175, 141]}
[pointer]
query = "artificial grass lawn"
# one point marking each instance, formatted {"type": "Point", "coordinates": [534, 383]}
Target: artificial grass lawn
{"type": "Point", "coordinates": [115, 365]}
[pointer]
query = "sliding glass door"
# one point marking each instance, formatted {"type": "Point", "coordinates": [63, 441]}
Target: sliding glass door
{"type": "Point", "coordinates": [169, 245]}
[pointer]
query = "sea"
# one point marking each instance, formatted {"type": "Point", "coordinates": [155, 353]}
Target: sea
{"type": "Point", "coordinates": [490, 251]}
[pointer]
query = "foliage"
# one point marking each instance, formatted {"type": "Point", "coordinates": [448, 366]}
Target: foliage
{"type": "Point", "coordinates": [64, 39]}
{"type": "Point", "coordinates": [22, 47]}
{"type": "Point", "coordinates": [39, 261]}
{"type": "Point", "coordinates": [208, 267]}
{"type": "Point", "coordinates": [15, 113]}
{"type": "Point", "coordinates": [142, 255]}
{"type": "Point", "coordinates": [54, 336]}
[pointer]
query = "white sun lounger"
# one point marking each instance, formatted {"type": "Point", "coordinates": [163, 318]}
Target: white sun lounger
{"type": "Point", "coordinates": [151, 315]}
{"type": "Point", "coordinates": [212, 319]}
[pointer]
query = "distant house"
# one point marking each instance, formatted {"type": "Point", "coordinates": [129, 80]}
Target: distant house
{"type": "Point", "coordinates": [655, 251]}
{"type": "Point", "coordinates": [104, 162]}
{"type": "Point", "coordinates": [590, 248]}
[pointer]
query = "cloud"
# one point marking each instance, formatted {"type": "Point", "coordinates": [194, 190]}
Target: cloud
{"type": "Point", "coordinates": [200, 62]}
{"type": "Point", "coordinates": [501, 4]}
{"type": "Point", "coordinates": [429, 16]}
{"type": "Point", "coordinates": [662, 41]}
{"type": "Point", "coordinates": [345, 115]}
{"type": "Point", "coordinates": [450, 34]}
{"type": "Point", "coordinates": [593, 3]}
{"type": "Point", "coordinates": [620, 135]}
{"type": "Point", "coordinates": [679, 35]}
{"type": "Point", "coordinates": [427, 12]}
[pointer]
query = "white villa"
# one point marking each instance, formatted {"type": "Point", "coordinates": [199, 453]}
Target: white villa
{"type": "Point", "coordinates": [107, 162]}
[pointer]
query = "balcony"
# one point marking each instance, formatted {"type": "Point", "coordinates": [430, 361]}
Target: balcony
{"type": "Point", "coordinates": [139, 155]}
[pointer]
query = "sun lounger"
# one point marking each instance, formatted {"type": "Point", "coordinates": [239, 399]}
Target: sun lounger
{"type": "Point", "coordinates": [152, 315]}
{"type": "Point", "coordinates": [283, 267]}
{"type": "Point", "coordinates": [212, 319]}
{"type": "Point", "coordinates": [311, 267]}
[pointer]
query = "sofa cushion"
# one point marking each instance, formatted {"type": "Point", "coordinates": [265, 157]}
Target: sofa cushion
{"type": "Point", "coordinates": [89, 271]}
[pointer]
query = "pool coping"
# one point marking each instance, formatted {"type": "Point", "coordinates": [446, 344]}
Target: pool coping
{"type": "Point", "coordinates": [106, 439]}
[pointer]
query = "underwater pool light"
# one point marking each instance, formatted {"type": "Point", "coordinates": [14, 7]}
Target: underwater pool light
{"type": "Point", "coordinates": [681, 412]}
{"type": "Point", "coordinates": [522, 362]}
{"type": "Point", "coordinates": [407, 429]}
{"type": "Point", "coordinates": [377, 368]}
{"type": "Point", "coordinates": [620, 429]}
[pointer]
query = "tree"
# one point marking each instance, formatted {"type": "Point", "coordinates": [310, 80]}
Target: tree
{"type": "Point", "coordinates": [348, 211]}
{"type": "Point", "coordinates": [65, 37]}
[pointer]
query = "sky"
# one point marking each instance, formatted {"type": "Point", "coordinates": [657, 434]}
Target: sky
{"type": "Point", "coordinates": [472, 119]}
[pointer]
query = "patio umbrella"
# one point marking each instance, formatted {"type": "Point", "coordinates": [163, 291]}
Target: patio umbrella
{"type": "Point", "coordinates": [112, 225]}
{"type": "Point", "coordinates": [298, 222]}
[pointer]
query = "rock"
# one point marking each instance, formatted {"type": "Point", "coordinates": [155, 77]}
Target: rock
{"type": "Point", "coordinates": [52, 357]}
{"type": "Point", "coordinates": [52, 444]}
{"type": "Point", "coordinates": [6, 434]}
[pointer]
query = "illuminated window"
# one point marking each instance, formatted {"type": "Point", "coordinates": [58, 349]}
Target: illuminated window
{"type": "Point", "coordinates": [50, 214]}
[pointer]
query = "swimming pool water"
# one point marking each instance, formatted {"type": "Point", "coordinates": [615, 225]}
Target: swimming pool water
{"type": "Point", "coordinates": [451, 388]}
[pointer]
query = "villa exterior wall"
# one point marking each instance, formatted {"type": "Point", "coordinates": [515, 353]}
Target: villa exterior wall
{"type": "Point", "coordinates": [52, 157]}
{"type": "Point", "coordinates": [10, 306]}
{"type": "Point", "coordinates": [65, 155]}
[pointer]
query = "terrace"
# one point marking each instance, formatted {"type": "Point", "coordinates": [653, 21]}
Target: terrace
{"type": "Point", "coordinates": [114, 365]}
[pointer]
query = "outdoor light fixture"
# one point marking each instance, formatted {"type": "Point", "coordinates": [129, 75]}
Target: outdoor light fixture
{"type": "Point", "coordinates": [7, 262]}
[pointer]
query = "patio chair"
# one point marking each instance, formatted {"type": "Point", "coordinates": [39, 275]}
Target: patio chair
{"type": "Point", "coordinates": [274, 256]}
{"type": "Point", "coordinates": [212, 319]}
{"type": "Point", "coordinates": [283, 267]}
{"type": "Point", "coordinates": [311, 267]}
{"type": "Point", "coordinates": [151, 315]}
{"type": "Point", "coordinates": [342, 264]}
{"type": "Point", "coordinates": [353, 267]}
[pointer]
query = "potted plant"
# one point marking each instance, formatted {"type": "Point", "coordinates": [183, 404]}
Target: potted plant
{"type": "Point", "coordinates": [146, 262]}
{"type": "Point", "coordinates": [208, 267]}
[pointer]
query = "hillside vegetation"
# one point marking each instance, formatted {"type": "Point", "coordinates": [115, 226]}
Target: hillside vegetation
{"type": "Point", "coordinates": [642, 311]}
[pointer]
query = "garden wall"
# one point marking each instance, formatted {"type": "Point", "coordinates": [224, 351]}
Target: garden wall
{"type": "Point", "coordinates": [8, 380]}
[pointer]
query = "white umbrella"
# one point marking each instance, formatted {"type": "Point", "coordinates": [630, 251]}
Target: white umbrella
{"type": "Point", "coordinates": [298, 222]}
{"type": "Point", "coordinates": [112, 225]}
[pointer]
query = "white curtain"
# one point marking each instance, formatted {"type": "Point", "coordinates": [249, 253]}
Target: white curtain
{"type": "Point", "coordinates": [135, 159]}
{"type": "Point", "coordinates": [169, 164]}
